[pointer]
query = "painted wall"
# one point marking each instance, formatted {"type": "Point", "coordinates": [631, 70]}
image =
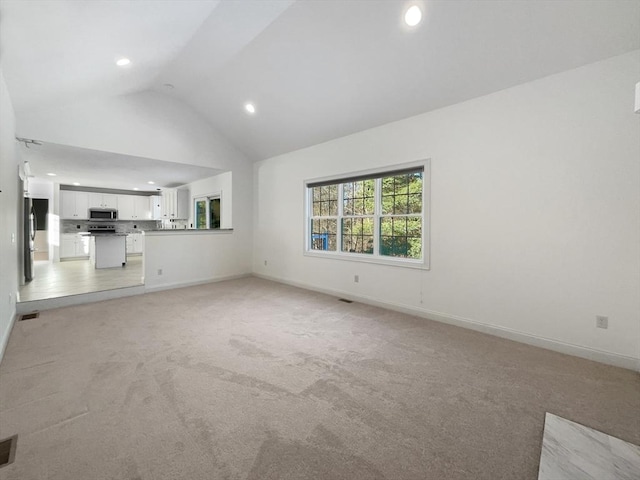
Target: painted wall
{"type": "Point", "coordinates": [177, 258]}
{"type": "Point", "coordinates": [145, 124]}
{"type": "Point", "coordinates": [217, 185]}
{"type": "Point", "coordinates": [9, 212]}
{"type": "Point", "coordinates": [535, 196]}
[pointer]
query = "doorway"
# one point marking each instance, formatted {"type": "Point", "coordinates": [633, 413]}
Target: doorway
{"type": "Point", "coordinates": [41, 240]}
{"type": "Point", "coordinates": [207, 212]}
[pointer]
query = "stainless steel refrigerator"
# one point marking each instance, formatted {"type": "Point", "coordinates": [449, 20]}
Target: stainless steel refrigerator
{"type": "Point", "coordinates": [29, 222]}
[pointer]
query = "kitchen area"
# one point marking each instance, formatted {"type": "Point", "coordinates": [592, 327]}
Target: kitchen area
{"type": "Point", "coordinates": [98, 225]}
{"type": "Point", "coordinates": [95, 238]}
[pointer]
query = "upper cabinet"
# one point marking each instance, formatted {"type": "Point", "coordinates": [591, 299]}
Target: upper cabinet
{"type": "Point", "coordinates": [103, 200]}
{"type": "Point", "coordinates": [156, 207]}
{"type": "Point", "coordinates": [175, 204]}
{"type": "Point", "coordinates": [134, 207]}
{"type": "Point", "coordinates": [74, 205]}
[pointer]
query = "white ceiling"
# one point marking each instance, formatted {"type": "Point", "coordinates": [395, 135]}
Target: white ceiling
{"type": "Point", "coordinates": [316, 70]}
{"type": "Point", "coordinates": [92, 168]}
{"type": "Point", "coordinates": [56, 52]}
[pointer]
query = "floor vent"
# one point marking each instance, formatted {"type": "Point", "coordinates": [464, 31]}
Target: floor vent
{"type": "Point", "coordinates": [345, 300]}
{"type": "Point", "coordinates": [8, 450]}
{"type": "Point", "coordinates": [29, 316]}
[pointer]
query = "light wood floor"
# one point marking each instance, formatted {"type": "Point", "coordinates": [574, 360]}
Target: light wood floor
{"type": "Point", "coordinates": [52, 280]}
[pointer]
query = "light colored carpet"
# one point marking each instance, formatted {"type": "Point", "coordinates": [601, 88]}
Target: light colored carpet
{"type": "Point", "coordinates": [250, 379]}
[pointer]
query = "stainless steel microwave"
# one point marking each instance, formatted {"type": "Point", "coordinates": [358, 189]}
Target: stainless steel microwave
{"type": "Point", "coordinates": [108, 214]}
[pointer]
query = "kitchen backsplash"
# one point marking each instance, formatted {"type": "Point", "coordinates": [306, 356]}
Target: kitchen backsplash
{"type": "Point", "coordinates": [122, 226]}
{"type": "Point", "coordinates": [174, 224]}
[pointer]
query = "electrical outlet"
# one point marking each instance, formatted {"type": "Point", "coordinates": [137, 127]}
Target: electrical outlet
{"type": "Point", "coordinates": [159, 271]}
{"type": "Point", "coordinates": [13, 238]}
{"type": "Point", "coordinates": [356, 278]}
{"type": "Point", "coordinates": [602, 322]}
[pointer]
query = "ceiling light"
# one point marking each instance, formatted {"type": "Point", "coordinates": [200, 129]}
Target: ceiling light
{"type": "Point", "coordinates": [413, 16]}
{"type": "Point", "coordinates": [136, 189]}
{"type": "Point", "coordinates": [76, 184]}
{"type": "Point", "coordinates": [250, 108]}
{"type": "Point", "coordinates": [151, 182]}
{"type": "Point", "coordinates": [51, 174]}
{"type": "Point", "coordinates": [123, 62]}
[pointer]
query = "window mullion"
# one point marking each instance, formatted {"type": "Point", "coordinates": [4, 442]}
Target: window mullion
{"type": "Point", "coordinates": [376, 217]}
{"type": "Point", "coordinates": [340, 217]}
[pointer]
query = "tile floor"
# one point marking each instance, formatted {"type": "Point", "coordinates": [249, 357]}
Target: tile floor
{"type": "Point", "coordinates": [52, 280]}
{"type": "Point", "coordinates": [571, 451]}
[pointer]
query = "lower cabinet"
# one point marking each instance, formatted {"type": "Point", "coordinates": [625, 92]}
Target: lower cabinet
{"type": "Point", "coordinates": [73, 245]}
{"type": "Point", "coordinates": [135, 242]}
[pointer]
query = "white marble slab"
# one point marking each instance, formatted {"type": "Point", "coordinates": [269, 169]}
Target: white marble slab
{"type": "Point", "coordinates": [571, 451]}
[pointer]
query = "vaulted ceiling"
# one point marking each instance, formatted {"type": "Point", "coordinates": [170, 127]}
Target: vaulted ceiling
{"type": "Point", "coordinates": [315, 70]}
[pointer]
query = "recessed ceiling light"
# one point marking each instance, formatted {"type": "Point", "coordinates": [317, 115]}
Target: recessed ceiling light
{"type": "Point", "coordinates": [51, 174]}
{"type": "Point", "coordinates": [123, 62]}
{"type": "Point", "coordinates": [250, 107]}
{"type": "Point", "coordinates": [151, 182]}
{"type": "Point", "coordinates": [413, 16]}
{"type": "Point", "coordinates": [136, 188]}
{"type": "Point", "coordinates": [76, 184]}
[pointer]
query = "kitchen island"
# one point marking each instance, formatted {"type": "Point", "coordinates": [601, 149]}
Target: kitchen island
{"type": "Point", "coordinates": [108, 250]}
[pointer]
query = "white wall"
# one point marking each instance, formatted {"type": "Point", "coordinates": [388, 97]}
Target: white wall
{"type": "Point", "coordinates": [191, 257]}
{"type": "Point", "coordinates": [145, 124]}
{"type": "Point", "coordinates": [535, 197]}
{"type": "Point", "coordinates": [9, 213]}
{"type": "Point", "coordinates": [217, 185]}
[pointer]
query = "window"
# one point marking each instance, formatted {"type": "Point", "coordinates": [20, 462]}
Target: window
{"type": "Point", "coordinates": [373, 217]}
{"type": "Point", "coordinates": [206, 212]}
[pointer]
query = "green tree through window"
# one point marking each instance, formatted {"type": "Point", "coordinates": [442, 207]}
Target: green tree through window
{"type": "Point", "coordinates": [378, 215]}
{"type": "Point", "coordinates": [400, 227]}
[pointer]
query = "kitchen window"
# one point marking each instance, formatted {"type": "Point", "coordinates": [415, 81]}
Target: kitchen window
{"type": "Point", "coordinates": [379, 217]}
{"type": "Point", "coordinates": [207, 213]}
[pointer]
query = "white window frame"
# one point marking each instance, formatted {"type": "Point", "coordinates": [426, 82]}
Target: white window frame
{"type": "Point", "coordinates": [375, 257]}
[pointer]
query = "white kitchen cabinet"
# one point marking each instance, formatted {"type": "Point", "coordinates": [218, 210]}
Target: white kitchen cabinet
{"type": "Point", "coordinates": [73, 245]}
{"type": "Point", "coordinates": [74, 205]}
{"type": "Point", "coordinates": [135, 243]}
{"type": "Point", "coordinates": [126, 207]}
{"type": "Point", "coordinates": [175, 204]}
{"type": "Point", "coordinates": [156, 207]}
{"type": "Point", "coordinates": [169, 204]}
{"type": "Point", "coordinates": [110, 251]}
{"type": "Point", "coordinates": [134, 207]}
{"type": "Point", "coordinates": [141, 208]}
{"type": "Point", "coordinates": [103, 200]}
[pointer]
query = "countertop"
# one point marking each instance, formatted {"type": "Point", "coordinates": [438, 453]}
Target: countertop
{"type": "Point", "coordinates": [91, 234]}
{"type": "Point", "coordinates": [189, 231]}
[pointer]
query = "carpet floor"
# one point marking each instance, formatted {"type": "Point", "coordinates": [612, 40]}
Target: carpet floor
{"type": "Point", "coordinates": [250, 379]}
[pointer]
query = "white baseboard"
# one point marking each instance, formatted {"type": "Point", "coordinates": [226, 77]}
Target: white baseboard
{"type": "Point", "coordinates": [170, 286]}
{"type": "Point", "coordinates": [5, 340]}
{"type": "Point", "coordinates": [588, 353]}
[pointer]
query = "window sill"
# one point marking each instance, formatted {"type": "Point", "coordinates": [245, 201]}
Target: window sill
{"type": "Point", "coordinates": [364, 258]}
